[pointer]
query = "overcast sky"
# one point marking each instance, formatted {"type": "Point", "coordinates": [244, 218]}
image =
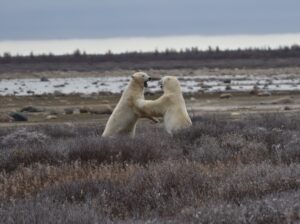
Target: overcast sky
{"type": "Point", "coordinates": [64, 19]}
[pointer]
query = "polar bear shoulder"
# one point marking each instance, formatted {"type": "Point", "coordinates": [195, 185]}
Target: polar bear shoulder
{"type": "Point", "coordinates": [171, 106]}
{"type": "Point", "coordinates": [125, 115]}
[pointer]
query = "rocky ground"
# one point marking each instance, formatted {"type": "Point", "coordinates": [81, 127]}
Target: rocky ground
{"type": "Point", "coordinates": [239, 163]}
{"type": "Point", "coordinates": [231, 91]}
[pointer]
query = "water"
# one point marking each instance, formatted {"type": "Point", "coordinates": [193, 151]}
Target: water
{"type": "Point", "coordinates": [118, 45]}
{"type": "Point", "coordinates": [189, 84]}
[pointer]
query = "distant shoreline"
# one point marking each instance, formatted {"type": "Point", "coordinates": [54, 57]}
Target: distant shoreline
{"type": "Point", "coordinates": [119, 45]}
{"type": "Point", "coordinates": [190, 58]}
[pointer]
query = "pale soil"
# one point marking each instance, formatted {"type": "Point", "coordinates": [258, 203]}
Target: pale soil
{"type": "Point", "coordinates": [197, 104]}
{"type": "Point", "coordinates": [235, 107]}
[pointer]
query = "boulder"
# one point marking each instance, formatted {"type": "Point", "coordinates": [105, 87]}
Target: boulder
{"type": "Point", "coordinates": [255, 90]}
{"type": "Point", "coordinates": [30, 92]}
{"type": "Point", "coordinates": [235, 114]}
{"type": "Point", "coordinates": [264, 93]}
{"type": "Point", "coordinates": [69, 110]}
{"type": "Point", "coordinates": [225, 96]}
{"type": "Point", "coordinates": [284, 100]}
{"type": "Point", "coordinates": [18, 116]}
{"type": "Point", "coordinates": [84, 110]}
{"type": "Point", "coordinates": [51, 117]}
{"type": "Point", "coordinates": [44, 79]}
{"type": "Point", "coordinates": [55, 112]}
{"type": "Point", "coordinates": [100, 109]}
{"type": "Point", "coordinates": [59, 86]}
{"type": "Point", "coordinates": [31, 109]}
{"type": "Point", "coordinates": [206, 86]}
{"type": "Point", "coordinates": [96, 82]}
{"type": "Point", "coordinates": [228, 87]}
{"type": "Point", "coordinates": [58, 93]}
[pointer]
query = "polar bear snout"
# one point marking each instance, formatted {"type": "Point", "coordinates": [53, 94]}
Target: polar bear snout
{"type": "Point", "coordinates": [146, 81]}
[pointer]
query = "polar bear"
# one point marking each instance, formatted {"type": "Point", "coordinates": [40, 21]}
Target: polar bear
{"type": "Point", "coordinates": [125, 115]}
{"type": "Point", "coordinates": [171, 106]}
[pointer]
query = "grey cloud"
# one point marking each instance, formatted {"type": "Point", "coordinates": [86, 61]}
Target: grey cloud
{"type": "Point", "coordinates": [43, 19]}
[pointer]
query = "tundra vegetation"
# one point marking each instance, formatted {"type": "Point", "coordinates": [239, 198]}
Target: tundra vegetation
{"type": "Point", "coordinates": [219, 171]}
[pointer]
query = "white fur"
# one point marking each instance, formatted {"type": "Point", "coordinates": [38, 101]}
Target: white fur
{"type": "Point", "coordinates": [124, 117]}
{"type": "Point", "coordinates": [170, 105]}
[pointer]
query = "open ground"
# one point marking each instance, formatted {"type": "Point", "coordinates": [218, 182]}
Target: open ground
{"type": "Point", "coordinates": [239, 163]}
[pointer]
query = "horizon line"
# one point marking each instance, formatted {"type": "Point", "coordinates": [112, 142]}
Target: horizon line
{"type": "Point", "coordinates": [148, 44]}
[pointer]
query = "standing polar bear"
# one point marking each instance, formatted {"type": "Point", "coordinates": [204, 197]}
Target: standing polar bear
{"type": "Point", "coordinates": [170, 105]}
{"type": "Point", "coordinates": [124, 117]}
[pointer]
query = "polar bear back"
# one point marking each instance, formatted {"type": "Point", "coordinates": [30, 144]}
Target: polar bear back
{"type": "Point", "coordinates": [176, 116]}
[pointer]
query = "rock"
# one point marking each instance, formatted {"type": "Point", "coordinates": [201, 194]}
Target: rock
{"type": "Point", "coordinates": [255, 90]}
{"type": "Point", "coordinates": [201, 91]}
{"type": "Point", "coordinates": [284, 100]}
{"type": "Point", "coordinates": [18, 116]}
{"type": "Point", "coordinates": [264, 93]}
{"type": "Point", "coordinates": [4, 118]}
{"type": "Point", "coordinates": [59, 86]}
{"type": "Point", "coordinates": [58, 93]}
{"type": "Point", "coordinates": [84, 110]}
{"type": "Point", "coordinates": [225, 95]}
{"type": "Point", "coordinates": [44, 79]}
{"type": "Point", "coordinates": [30, 92]}
{"type": "Point", "coordinates": [228, 81]}
{"type": "Point", "coordinates": [287, 108]}
{"type": "Point", "coordinates": [96, 82]}
{"type": "Point", "coordinates": [69, 110]}
{"type": "Point", "coordinates": [54, 112]}
{"type": "Point", "coordinates": [76, 111]}
{"type": "Point", "coordinates": [101, 109]}
{"type": "Point", "coordinates": [85, 96]}
{"type": "Point", "coordinates": [206, 87]}
{"type": "Point", "coordinates": [31, 109]}
{"type": "Point", "coordinates": [228, 87]}
{"type": "Point", "coordinates": [235, 114]}
{"type": "Point", "coordinates": [200, 84]}
{"type": "Point", "coordinates": [51, 117]}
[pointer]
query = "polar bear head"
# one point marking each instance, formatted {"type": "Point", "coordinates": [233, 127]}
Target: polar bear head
{"type": "Point", "coordinates": [170, 84]}
{"type": "Point", "coordinates": [141, 78]}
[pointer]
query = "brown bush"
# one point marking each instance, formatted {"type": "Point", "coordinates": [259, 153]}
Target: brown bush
{"type": "Point", "coordinates": [218, 171]}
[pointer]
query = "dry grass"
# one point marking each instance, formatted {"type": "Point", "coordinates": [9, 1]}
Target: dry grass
{"type": "Point", "coordinates": [219, 171]}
